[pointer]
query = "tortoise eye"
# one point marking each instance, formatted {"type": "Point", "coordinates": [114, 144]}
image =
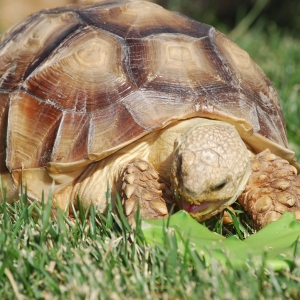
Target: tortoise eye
{"type": "Point", "coordinates": [220, 185]}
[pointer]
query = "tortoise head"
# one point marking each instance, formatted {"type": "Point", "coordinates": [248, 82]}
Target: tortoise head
{"type": "Point", "coordinates": [210, 168]}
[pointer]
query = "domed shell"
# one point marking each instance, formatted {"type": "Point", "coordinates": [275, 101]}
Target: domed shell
{"type": "Point", "coordinates": [80, 82]}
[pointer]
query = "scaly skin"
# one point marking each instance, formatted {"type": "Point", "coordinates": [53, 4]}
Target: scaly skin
{"type": "Point", "coordinates": [142, 182]}
{"type": "Point", "coordinates": [210, 169]}
{"type": "Point", "coordinates": [272, 189]}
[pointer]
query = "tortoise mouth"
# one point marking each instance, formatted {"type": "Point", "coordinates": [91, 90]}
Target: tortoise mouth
{"type": "Point", "coordinates": [194, 208]}
{"type": "Point", "coordinates": [199, 209]}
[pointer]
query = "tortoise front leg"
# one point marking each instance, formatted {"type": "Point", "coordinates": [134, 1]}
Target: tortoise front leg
{"type": "Point", "coordinates": [272, 189]}
{"type": "Point", "coordinates": [141, 184]}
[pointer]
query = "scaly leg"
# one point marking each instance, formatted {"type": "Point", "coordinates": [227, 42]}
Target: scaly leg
{"type": "Point", "coordinates": [272, 189]}
{"type": "Point", "coordinates": [141, 184]}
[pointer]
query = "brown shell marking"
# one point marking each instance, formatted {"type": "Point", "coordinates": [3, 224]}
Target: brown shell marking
{"type": "Point", "coordinates": [138, 19]}
{"type": "Point", "coordinates": [85, 73]}
{"type": "Point", "coordinates": [4, 102]}
{"type": "Point", "coordinates": [168, 61]}
{"type": "Point", "coordinates": [32, 128]}
{"type": "Point", "coordinates": [71, 142]}
{"type": "Point", "coordinates": [113, 134]}
{"type": "Point", "coordinates": [28, 47]}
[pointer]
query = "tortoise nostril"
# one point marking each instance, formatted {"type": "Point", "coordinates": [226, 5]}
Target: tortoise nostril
{"type": "Point", "coordinates": [219, 186]}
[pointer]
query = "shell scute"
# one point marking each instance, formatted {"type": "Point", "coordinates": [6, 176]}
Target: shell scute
{"type": "Point", "coordinates": [29, 45]}
{"type": "Point", "coordinates": [71, 143]}
{"type": "Point", "coordinates": [111, 128]}
{"type": "Point", "coordinates": [85, 73]}
{"type": "Point", "coordinates": [137, 19]}
{"type": "Point", "coordinates": [32, 129]}
{"type": "Point", "coordinates": [174, 61]}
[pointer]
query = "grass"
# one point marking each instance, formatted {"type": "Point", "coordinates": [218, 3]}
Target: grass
{"type": "Point", "coordinates": [101, 257]}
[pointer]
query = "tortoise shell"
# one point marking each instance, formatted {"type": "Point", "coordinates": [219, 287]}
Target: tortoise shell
{"type": "Point", "coordinates": [80, 82]}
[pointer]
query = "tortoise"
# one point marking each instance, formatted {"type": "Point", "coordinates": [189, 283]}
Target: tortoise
{"type": "Point", "coordinates": [157, 106]}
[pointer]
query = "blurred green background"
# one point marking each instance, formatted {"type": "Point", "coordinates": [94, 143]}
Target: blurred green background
{"type": "Point", "coordinates": [268, 30]}
{"type": "Point", "coordinates": [229, 13]}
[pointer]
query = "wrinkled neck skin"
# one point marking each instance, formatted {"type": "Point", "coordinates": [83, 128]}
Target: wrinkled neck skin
{"type": "Point", "coordinates": [202, 171]}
